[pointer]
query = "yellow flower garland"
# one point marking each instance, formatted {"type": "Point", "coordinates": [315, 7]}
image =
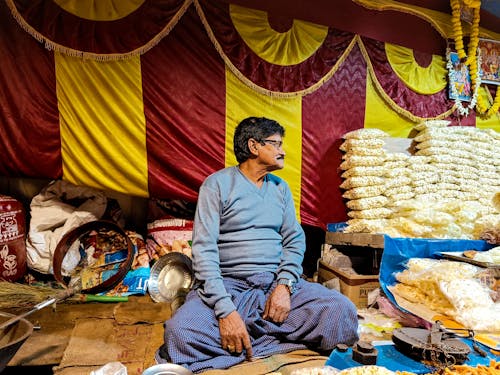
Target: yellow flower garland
{"type": "Point", "coordinates": [482, 107]}
{"type": "Point", "coordinates": [457, 28]}
{"type": "Point", "coordinates": [474, 38]}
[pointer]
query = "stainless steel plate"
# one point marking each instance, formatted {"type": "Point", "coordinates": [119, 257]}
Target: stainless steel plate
{"type": "Point", "coordinates": [171, 276]}
{"type": "Point", "coordinates": [167, 369]}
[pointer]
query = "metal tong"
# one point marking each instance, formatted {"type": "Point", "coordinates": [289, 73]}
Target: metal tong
{"type": "Point", "coordinates": [464, 333]}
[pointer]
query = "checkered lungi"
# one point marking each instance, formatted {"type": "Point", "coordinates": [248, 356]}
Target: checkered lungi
{"type": "Point", "coordinates": [320, 318]}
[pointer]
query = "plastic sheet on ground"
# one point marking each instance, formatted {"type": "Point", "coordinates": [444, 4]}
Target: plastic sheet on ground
{"type": "Point", "coordinates": [397, 251]}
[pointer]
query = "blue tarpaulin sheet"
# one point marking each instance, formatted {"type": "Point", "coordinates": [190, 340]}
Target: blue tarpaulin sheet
{"type": "Point", "coordinates": [391, 358]}
{"type": "Point", "coordinates": [397, 251]}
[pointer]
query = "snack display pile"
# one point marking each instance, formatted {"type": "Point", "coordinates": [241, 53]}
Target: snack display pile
{"type": "Point", "coordinates": [443, 188]}
{"type": "Point", "coordinates": [465, 292]}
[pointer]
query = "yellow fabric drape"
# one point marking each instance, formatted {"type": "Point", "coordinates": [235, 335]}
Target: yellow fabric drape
{"type": "Point", "coordinates": [389, 101]}
{"type": "Point", "coordinates": [379, 115]}
{"type": "Point", "coordinates": [242, 102]}
{"type": "Point", "coordinates": [260, 89]}
{"type": "Point", "coordinates": [288, 48]}
{"type": "Point", "coordinates": [426, 81]}
{"type": "Point", "coordinates": [493, 122]}
{"type": "Point", "coordinates": [103, 129]}
{"type": "Point", "coordinates": [100, 10]}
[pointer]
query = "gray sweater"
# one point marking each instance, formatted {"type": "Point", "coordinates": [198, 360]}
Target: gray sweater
{"type": "Point", "coordinates": [240, 230]}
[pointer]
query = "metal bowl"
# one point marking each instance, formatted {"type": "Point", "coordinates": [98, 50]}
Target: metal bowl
{"type": "Point", "coordinates": [12, 337]}
{"type": "Point", "coordinates": [167, 369]}
{"type": "Point", "coordinates": [171, 276]}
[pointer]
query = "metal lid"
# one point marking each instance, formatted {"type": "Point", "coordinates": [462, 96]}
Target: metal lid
{"type": "Point", "coordinates": [420, 344]}
{"type": "Point", "coordinates": [171, 276]}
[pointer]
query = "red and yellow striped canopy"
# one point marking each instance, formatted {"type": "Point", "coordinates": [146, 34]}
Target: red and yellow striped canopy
{"type": "Point", "coordinates": [142, 97]}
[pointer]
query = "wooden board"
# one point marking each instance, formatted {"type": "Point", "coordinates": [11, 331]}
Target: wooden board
{"type": "Point", "coordinates": [458, 255]}
{"type": "Point", "coordinates": [355, 239]}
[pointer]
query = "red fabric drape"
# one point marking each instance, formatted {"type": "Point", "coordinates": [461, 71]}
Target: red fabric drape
{"type": "Point", "coordinates": [117, 36]}
{"type": "Point", "coordinates": [184, 103]}
{"type": "Point", "coordinates": [183, 80]}
{"type": "Point", "coordinates": [29, 119]}
{"type": "Point", "coordinates": [335, 109]}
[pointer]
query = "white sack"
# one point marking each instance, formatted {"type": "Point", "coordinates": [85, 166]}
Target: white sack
{"type": "Point", "coordinates": [52, 217]}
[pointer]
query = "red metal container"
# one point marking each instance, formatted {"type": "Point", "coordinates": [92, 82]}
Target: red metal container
{"type": "Point", "coordinates": [12, 239]}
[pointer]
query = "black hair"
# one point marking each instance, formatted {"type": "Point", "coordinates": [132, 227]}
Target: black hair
{"type": "Point", "coordinates": [258, 128]}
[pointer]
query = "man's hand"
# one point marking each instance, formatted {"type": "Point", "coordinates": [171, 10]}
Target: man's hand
{"type": "Point", "coordinates": [277, 305]}
{"type": "Point", "coordinates": [234, 334]}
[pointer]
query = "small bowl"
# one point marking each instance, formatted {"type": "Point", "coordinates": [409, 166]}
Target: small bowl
{"type": "Point", "coordinates": [12, 337]}
{"type": "Point", "coordinates": [171, 277]}
{"type": "Point", "coordinates": [167, 369]}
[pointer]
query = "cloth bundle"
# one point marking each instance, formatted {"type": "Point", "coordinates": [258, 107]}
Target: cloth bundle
{"type": "Point", "coordinates": [57, 209]}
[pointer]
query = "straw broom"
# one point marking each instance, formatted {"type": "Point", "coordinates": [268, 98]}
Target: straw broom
{"type": "Point", "coordinates": [14, 295]}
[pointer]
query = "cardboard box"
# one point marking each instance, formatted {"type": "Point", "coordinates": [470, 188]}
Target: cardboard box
{"type": "Point", "coordinates": [354, 287]}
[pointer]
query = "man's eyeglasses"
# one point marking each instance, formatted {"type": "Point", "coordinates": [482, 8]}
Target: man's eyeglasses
{"type": "Point", "coordinates": [277, 144]}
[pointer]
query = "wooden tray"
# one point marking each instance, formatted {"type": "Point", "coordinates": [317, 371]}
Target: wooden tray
{"type": "Point", "coordinates": [457, 255]}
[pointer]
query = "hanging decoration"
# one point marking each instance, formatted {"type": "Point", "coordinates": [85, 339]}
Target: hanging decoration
{"type": "Point", "coordinates": [472, 58]}
{"type": "Point", "coordinates": [310, 69]}
{"type": "Point", "coordinates": [483, 106]}
{"type": "Point", "coordinates": [286, 48]}
{"type": "Point", "coordinates": [457, 96]}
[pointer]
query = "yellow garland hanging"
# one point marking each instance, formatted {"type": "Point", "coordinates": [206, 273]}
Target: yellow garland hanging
{"type": "Point", "coordinates": [474, 37]}
{"type": "Point", "coordinates": [457, 28]}
{"type": "Point", "coordinates": [482, 105]}
{"type": "Point", "coordinates": [456, 6]}
{"type": "Point", "coordinates": [483, 108]}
